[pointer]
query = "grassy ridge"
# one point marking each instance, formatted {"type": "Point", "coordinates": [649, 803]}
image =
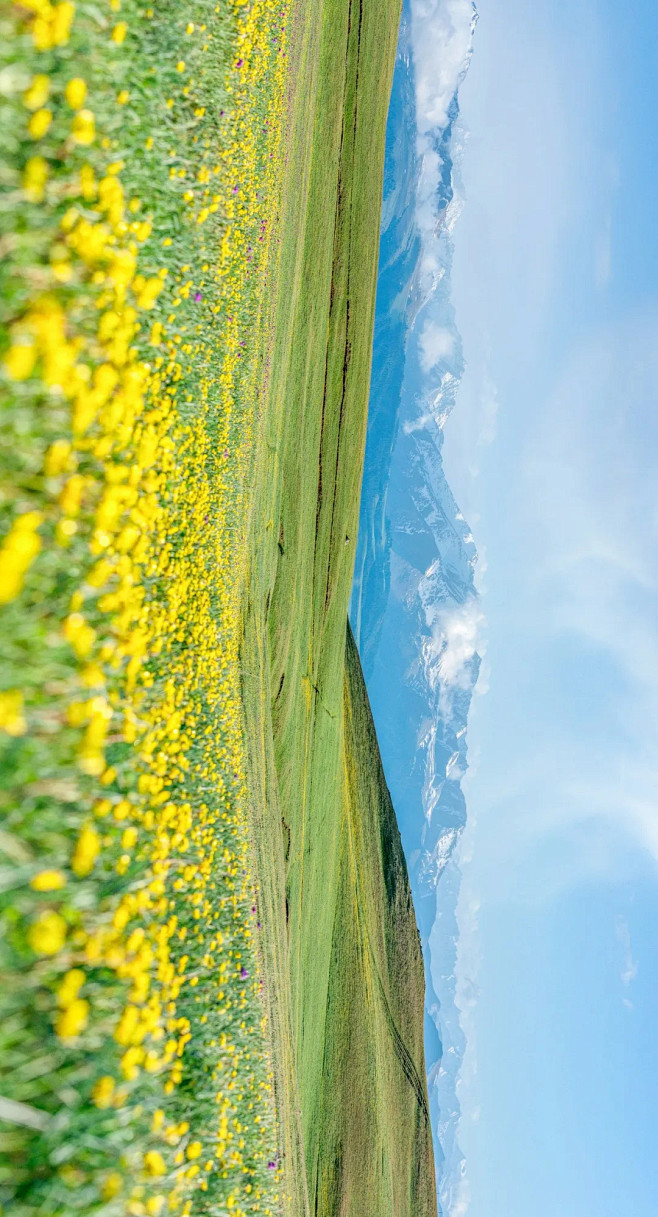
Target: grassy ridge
{"type": "Point", "coordinates": [343, 960]}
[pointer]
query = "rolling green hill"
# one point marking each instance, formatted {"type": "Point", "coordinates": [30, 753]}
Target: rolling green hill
{"type": "Point", "coordinates": [340, 946]}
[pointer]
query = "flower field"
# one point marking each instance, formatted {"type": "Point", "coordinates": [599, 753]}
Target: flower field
{"type": "Point", "coordinates": [141, 154]}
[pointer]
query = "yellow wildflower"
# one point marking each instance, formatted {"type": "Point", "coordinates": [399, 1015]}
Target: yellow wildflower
{"type": "Point", "coordinates": [79, 634]}
{"type": "Point", "coordinates": [128, 1027]}
{"type": "Point", "coordinates": [48, 881]}
{"type": "Point", "coordinates": [48, 934]}
{"type": "Point", "coordinates": [103, 1092]}
{"type": "Point", "coordinates": [123, 97]}
{"type": "Point", "coordinates": [119, 32]}
{"type": "Point", "coordinates": [130, 1062]}
{"type": "Point", "coordinates": [87, 182]}
{"type": "Point", "coordinates": [154, 1163]}
{"type": "Point", "coordinates": [20, 359]}
{"type": "Point", "coordinates": [71, 495]}
{"type": "Point", "coordinates": [62, 17]}
{"type": "Point", "coordinates": [129, 837]}
{"type": "Point", "coordinates": [149, 293]}
{"type": "Point", "coordinates": [37, 95]}
{"type": "Point", "coordinates": [112, 1185]}
{"type": "Point", "coordinates": [12, 718]}
{"type": "Point", "coordinates": [194, 1149]}
{"type": "Point", "coordinates": [86, 851]}
{"type": "Point", "coordinates": [76, 92]}
{"type": "Point", "coordinates": [73, 1019]}
{"type": "Point", "coordinates": [64, 530]}
{"type": "Point", "coordinates": [70, 987]}
{"type": "Point", "coordinates": [18, 551]}
{"type": "Point", "coordinates": [42, 34]}
{"type": "Point", "coordinates": [83, 127]}
{"type": "Point", "coordinates": [39, 123]}
{"type": "Point", "coordinates": [58, 458]}
{"type": "Point", "coordinates": [35, 176]}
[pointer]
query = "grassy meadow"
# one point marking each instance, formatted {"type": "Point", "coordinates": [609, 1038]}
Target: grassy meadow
{"type": "Point", "coordinates": [343, 958]}
{"type": "Point", "coordinates": [212, 994]}
{"type": "Point", "coordinates": [140, 178]}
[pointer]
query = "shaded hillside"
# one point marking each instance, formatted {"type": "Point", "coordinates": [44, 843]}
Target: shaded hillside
{"type": "Point", "coordinates": [341, 949]}
{"type": "Point", "coordinates": [373, 1148]}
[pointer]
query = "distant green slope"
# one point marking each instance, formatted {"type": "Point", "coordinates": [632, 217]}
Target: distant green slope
{"type": "Point", "coordinates": [373, 1146]}
{"type": "Point", "coordinates": [341, 949]}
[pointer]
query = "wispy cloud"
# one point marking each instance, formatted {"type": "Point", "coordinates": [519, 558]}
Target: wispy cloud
{"type": "Point", "coordinates": [442, 34]}
{"type": "Point", "coordinates": [591, 480]}
{"type": "Point", "coordinates": [456, 642]}
{"type": "Point", "coordinates": [436, 343]}
{"type": "Point", "coordinates": [441, 40]}
{"type": "Point", "coordinates": [577, 795]}
{"type": "Point", "coordinates": [457, 638]}
{"type": "Point", "coordinates": [565, 790]}
{"type": "Point", "coordinates": [629, 968]}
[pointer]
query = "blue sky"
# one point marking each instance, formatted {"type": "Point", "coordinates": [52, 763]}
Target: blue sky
{"type": "Point", "coordinates": [552, 453]}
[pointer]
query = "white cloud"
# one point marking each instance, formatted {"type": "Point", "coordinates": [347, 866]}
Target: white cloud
{"type": "Point", "coordinates": [441, 32]}
{"type": "Point", "coordinates": [591, 482]}
{"type": "Point", "coordinates": [462, 1203]}
{"type": "Point", "coordinates": [552, 802]}
{"type": "Point", "coordinates": [441, 41]}
{"type": "Point", "coordinates": [457, 636]}
{"type": "Point", "coordinates": [575, 694]}
{"type": "Point", "coordinates": [629, 969]}
{"type": "Point", "coordinates": [436, 343]}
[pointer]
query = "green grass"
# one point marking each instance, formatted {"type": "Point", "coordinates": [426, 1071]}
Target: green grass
{"type": "Point", "coordinates": [133, 1067]}
{"type": "Point", "coordinates": [341, 948]}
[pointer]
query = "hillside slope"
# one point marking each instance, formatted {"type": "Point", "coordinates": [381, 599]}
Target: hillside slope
{"type": "Point", "coordinates": [340, 946]}
{"type": "Point", "coordinates": [373, 1146]}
